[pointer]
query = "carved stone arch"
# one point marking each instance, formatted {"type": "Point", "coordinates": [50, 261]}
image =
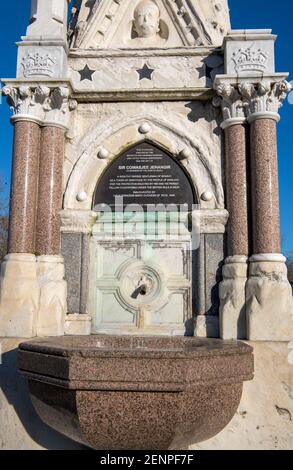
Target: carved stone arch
{"type": "Point", "coordinates": [114, 138]}
{"type": "Point", "coordinates": [183, 192]}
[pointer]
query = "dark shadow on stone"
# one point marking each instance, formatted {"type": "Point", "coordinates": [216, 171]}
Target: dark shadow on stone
{"type": "Point", "coordinates": [16, 391]}
{"type": "Point", "coordinates": [92, 5]}
{"type": "Point", "coordinates": [189, 327]}
{"type": "Point", "coordinates": [215, 300]}
{"type": "Point", "coordinates": [241, 324]}
{"type": "Point", "coordinates": [212, 65]}
{"type": "Point", "coordinates": [204, 111]}
{"type": "Point", "coordinates": [213, 311]}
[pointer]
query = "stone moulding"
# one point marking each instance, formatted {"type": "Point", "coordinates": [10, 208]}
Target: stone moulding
{"type": "Point", "coordinates": [112, 135]}
{"type": "Point", "coordinates": [74, 221]}
{"type": "Point", "coordinates": [202, 51]}
{"type": "Point", "coordinates": [159, 94]}
{"type": "Point", "coordinates": [173, 391]}
{"type": "Point", "coordinates": [82, 221]}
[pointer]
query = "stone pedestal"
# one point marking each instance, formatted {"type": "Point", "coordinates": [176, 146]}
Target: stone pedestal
{"type": "Point", "coordinates": [269, 299]}
{"type": "Point", "coordinates": [206, 326]}
{"type": "Point", "coordinates": [53, 293]}
{"type": "Point", "coordinates": [19, 296]}
{"type": "Point", "coordinates": [78, 324]}
{"type": "Point", "coordinates": [232, 298]}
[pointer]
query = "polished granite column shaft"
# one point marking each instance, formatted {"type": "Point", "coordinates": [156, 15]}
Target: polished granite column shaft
{"type": "Point", "coordinates": [24, 187]}
{"type": "Point", "coordinates": [232, 288]}
{"type": "Point", "coordinates": [236, 189]}
{"type": "Point", "coordinates": [264, 186]}
{"type": "Point", "coordinates": [50, 191]}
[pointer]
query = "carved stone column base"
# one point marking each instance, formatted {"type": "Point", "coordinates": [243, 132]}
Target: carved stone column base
{"type": "Point", "coordinates": [53, 295]}
{"type": "Point", "coordinates": [269, 299]}
{"type": "Point", "coordinates": [19, 296]}
{"type": "Point", "coordinates": [78, 324]}
{"type": "Point", "coordinates": [232, 298]}
{"type": "Point", "coordinates": [206, 326]}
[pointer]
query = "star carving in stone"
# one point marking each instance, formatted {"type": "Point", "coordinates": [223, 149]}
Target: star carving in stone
{"type": "Point", "coordinates": [86, 73]}
{"type": "Point", "coordinates": [205, 71]}
{"type": "Point", "coordinates": [145, 72]}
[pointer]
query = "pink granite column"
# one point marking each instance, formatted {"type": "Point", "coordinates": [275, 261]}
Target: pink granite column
{"type": "Point", "coordinates": [50, 191]}
{"type": "Point", "coordinates": [264, 185]}
{"type": "Point", "coordinates": [236, 188]}
{"type": "Point", "coordinates": [24, 187]}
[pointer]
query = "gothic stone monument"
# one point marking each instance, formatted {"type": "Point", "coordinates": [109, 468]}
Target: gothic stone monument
{"type": "Point", "coordinates": [157, 102]}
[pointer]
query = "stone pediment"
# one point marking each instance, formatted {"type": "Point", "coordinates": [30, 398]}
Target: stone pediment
{"type": "Point", "coordinates": [135, 24]}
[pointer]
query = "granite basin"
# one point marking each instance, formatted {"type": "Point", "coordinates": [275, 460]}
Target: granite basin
{"type": "Point", "coordinates": [131, 392]}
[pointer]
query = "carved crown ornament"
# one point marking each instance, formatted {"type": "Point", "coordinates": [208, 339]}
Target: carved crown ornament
{"type": "Point", "coordinates": [38, 64]}
{"type": "Point", "coordinates": [40, 103]}
{"type": "Point", "coordinates": [246, 99]}
{"type": "Point", "coordinates": [250, 59]}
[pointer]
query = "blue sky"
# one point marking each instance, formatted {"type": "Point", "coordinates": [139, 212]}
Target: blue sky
{"type": "Point", "coordinates": [245, 14]}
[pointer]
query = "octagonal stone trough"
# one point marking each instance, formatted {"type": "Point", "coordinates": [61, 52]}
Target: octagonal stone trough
{"type": "Point", "coordinates": [132, 392]}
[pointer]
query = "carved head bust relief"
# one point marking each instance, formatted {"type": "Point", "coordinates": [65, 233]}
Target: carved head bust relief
{"type": "Point", "coordinates": [146, 19]}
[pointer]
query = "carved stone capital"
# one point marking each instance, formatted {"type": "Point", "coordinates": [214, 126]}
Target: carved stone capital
{"type": "Point", "coordinates": [231, 103]}
{"type": "Point", "coordinates": [246, 100]}
{"type": "Point", "coordinates": [26, 102]}
{"type": "Point", "coordinates": [264, 98]}
{"type": "Point", "coordinates": [41, 103]}
{"type": "Point", "coordinates": [58, 106]}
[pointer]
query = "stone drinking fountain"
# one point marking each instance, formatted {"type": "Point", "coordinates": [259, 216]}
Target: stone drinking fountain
{"type": "Point", "coordinates": [131, 322]}
{"type": "Point", "coordinates": [136, 392]}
